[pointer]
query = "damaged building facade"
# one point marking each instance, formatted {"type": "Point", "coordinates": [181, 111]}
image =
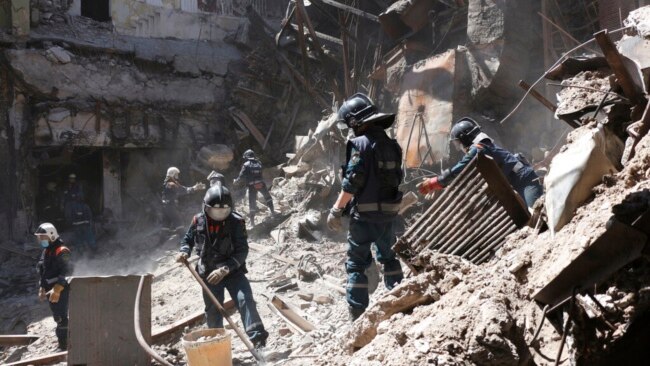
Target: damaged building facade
{"type": "Point", "coordinates": [117, 91]}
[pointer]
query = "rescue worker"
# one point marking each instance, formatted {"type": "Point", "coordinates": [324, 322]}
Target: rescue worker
{"type": "Point", "coordinates": [371, 177]}
{"type": "Point", "coordinates": [172, 189]}
{"type": "Point", "coordinates": [466, 135]}
{"type": "Point", "coordinates": [53, 267]}
{"type": "Point", "coordinates": [79, 216]}
{"type": "Point", "coordinates": [72, 191]}
{"type": "Point", "coordinates": [219, 235]}
{"type": "Point", "coordinates": [251, 173]}
{"type": "Point", "coordinates": [215, 177]}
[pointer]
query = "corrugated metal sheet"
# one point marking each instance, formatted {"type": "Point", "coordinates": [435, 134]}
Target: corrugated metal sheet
{"type": "Point", "coordinates": [425, 110]}
{"type": "Point", "coordinates": [101, 321]}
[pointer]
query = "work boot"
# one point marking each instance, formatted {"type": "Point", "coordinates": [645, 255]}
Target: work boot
{"type": "Point", "coordinates": [259, 344]}
{"type": "Point", "coordinates": [355, 313]}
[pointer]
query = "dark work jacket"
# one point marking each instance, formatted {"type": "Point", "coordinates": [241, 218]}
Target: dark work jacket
{"type": "Point", "coordinates": [77, 213]}
{"type": "Point", "coordinates": [516, 171]}
{"type": "Point", "coordinates": [172, 190]}
{"type": "Point", "coordinates": [251, 172]}
{"type": "Point", "coordinates": [54, 265]}
{"type": "Point", "coordinates": [373, 173]}
{"type": "Point", "coordinates": [217, 243]}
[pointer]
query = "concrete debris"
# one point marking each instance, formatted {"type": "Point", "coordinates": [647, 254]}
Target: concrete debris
{"type": "Point", "coordinates": [58, 54]}
{"type": "Point", "coordinates": [591, 154]}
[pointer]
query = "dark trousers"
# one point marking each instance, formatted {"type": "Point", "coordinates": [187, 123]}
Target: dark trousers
{"type": "Point", "coordinates": [84, 237]}
{"type": "Point", "coordinates": [170, 217]}
{"type": "Point", "coordinates": [529, 189]}
{"type": "Point", "coordinates": [252, 197]}
{"type": "Point", "coordinates": [60, 314]}
{"type": "Point", "coordinates": [361, 236]}
{"type": "Point", "coordinates": [240, 291]}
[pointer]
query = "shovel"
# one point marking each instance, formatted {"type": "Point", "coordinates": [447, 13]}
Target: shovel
{"type": "Point", "coordinates": [240, 334]}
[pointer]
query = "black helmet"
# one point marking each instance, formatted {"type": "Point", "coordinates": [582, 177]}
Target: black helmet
{"type": "Point", "coordinates": [465, 131]}
{"type": "Point", "coordinates": [249, 154]}
{"type": "Point", "coordinates": [217, 202]}
{"type": "Point", "coordinates": [359, 110]}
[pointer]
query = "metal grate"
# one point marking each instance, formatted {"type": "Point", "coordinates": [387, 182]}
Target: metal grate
{"type": "Point", "coordinates": [471, 218]}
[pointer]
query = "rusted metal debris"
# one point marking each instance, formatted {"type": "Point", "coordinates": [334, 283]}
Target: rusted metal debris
{"type": "Point", "coordinates": [547, 103]}
{"type": "Point", "coordinates": [471, 218]}
{"type": "Point", "coordinates": [616, 62]}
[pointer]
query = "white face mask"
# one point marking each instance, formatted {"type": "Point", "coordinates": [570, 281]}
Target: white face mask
{"type": "Point", "coordinates": [218, 213]}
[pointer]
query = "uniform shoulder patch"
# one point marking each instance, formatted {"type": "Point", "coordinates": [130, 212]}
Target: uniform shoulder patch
{"type": "Point", "coordinates": [62, 250]}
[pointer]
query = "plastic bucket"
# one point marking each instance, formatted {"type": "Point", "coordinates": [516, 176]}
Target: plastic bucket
{"type": "Point", "coordinates": [215, 351]}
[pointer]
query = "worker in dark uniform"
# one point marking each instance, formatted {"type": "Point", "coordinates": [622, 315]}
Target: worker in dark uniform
{"type": "Point", "coordinates": [466, 135]}
{"type": "Point", "coordinates": [219, 235]}
{"type": "Point", "coordinates": [251, 173]}
{"type": "Point", "coordinates": [371, 177]}
{"type": "Point", "coordinates": [79, 216]}
{"type": "Point", "coordinates": [53, 267]}
{"type": "Point", "coordinates": [51, 208]}
{"type": "Point", "coordinates": [172, 189]}
{"type": "Point", "coordinates": [72, 192]}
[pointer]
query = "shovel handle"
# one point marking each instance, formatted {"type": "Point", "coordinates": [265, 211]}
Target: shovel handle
{"type": "Point", "coordinates": [221, 310]}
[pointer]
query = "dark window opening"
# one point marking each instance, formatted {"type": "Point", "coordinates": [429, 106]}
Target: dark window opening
{"type": "Point", "coordinates": [98, 10]}
{"type": "Point", "coordinates": [53, 180]}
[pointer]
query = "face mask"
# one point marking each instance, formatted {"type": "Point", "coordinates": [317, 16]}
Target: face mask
{"type": "Point", "coordinates": [45, 243]}
{"type": "Point", "coordinates": [218, 213]}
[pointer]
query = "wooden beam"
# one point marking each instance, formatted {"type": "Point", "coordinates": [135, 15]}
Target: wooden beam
{"type": "Point", "coordinates": [302, 43]}
{"type": "Point", "coordinates": [346, 62]}
{"type": "Point", "coordinates": [319, 99]}
{"type": "Point", "coordinates": [615, 61]}
{"type": "Point", "coordinates": [352, 10]}
{"type": "Point", "coordinates": [42, 360]}
{"type": "Point", "coordinates": [547, 103]}
{"type": "Point", "coordinates": [322, 36]}
{"type": "Point", "coordinates": [291, 316]}
{"type": "Point", "coordinates": [303, 15]}
{"type": "Point", "coordinates": [241, 116]}
{"type": "Point", "coordinates": [17, 339]}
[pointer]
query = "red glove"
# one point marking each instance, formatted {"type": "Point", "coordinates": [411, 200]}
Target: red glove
{"type": "Point", "coordinates": [429, 185]}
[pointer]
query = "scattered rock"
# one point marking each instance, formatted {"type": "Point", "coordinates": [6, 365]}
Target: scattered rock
{"type": "Point", "coordinates": [58, 55]}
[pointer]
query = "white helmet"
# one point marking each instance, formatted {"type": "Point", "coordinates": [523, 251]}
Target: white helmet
{"type": "Point", "coordinates": [173, 172]}
{"type": "Point", "coordinates": [48, 229]}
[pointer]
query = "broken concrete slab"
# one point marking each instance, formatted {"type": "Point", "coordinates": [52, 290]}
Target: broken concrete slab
{"type": "Point", "coordinates": [591, 154]}
{"type": "Point", "coordinates": [639, 19]}
{"type": "Point", "coordinates": [112, 84]}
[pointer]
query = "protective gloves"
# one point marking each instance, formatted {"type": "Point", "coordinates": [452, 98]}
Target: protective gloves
{"type": "Point", "coordinates": [334, 221]}
{"type": "Point", "coordinates": [217, 275]}
{"type": "Point", "coordinates": [55, 293]}
{"type": "Point", "coordinates": [429, 185]}
{"type": "Point", "coordinates": [41, 294]}
{"type": "Point", "coordinates": [198, 187]}
{"type": "Point", "coordinates": [182, 257]}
